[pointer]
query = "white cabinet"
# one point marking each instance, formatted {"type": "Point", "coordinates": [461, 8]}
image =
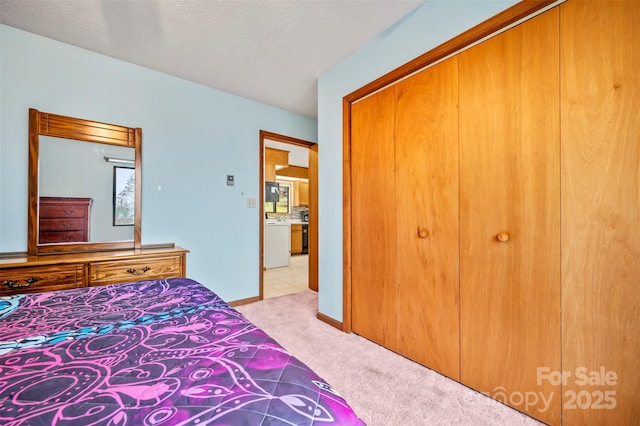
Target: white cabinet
{"type": "Point", "coordinates": [277, 245]}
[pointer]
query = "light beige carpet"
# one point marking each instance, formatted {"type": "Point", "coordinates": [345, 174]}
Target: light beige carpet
{"type": "Point", "coordinates": [382, 387]}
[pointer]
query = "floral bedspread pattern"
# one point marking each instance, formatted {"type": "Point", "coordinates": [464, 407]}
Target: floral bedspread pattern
{"type": "Point", "coordinates": [161, 352]}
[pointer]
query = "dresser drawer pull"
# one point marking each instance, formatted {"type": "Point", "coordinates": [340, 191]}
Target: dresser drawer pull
{"type": "Point", "coordinates": [140, 272]}
{"type": "Point", "coordinates": [15, 284]}
{"type": "Point", "coordinates": [67, 212]}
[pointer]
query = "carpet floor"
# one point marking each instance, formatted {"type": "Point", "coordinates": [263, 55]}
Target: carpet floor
{"type": "Point", "coordinates": [382, 387]}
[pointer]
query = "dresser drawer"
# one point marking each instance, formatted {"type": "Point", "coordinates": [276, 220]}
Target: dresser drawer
{"type": "Point", "coordinates": [34, 279]}
{"type": "Point", "coordinates": [62, 224]}
{"type": "Point", "coordinates": [63, 211]}
{"type": "Point", "coordinates": [121, 271]}
{"type": "Point", "coordinates": [62, 237]}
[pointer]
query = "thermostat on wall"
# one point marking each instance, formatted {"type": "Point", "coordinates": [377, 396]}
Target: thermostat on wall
{"type": "Point", "coordinates": [230, 180]}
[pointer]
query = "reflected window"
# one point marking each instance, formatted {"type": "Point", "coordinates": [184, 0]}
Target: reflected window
{"type": "Point", "coordinates": [285, 193]}
{"type": "Point", "coordinates": [124, 188]}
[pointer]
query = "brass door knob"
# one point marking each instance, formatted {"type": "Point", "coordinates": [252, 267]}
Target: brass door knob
{"type": "Point", "coordinates": [503, 237]}
{"type": "Point", "coordinates": [422, 232]}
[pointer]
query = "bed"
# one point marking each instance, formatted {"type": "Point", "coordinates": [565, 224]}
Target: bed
{"type": "Point", "coordinates": [159, 352]}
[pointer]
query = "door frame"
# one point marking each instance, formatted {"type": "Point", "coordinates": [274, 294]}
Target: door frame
{"type": "Point", "coordinates": [501, 22]}
{"type": "Point", "coordinates": [313, 208]}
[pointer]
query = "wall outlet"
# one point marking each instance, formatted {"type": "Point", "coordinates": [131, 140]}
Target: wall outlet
{"type": "Point", "coordinates": [251, 203]}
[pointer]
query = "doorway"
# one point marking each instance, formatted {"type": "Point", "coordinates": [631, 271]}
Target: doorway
{"type": "Point", "coordinates": [288, 215]}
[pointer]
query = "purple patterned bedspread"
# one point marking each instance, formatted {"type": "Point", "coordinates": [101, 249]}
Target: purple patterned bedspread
{"type": "Point", "coordinates": [162, 352]}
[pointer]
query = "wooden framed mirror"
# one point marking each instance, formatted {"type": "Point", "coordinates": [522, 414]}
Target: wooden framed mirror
{"type": "Point", "coordinates": [72, 193]}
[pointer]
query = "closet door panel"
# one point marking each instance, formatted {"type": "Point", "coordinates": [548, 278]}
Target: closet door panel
{"type": "Point", "coordinates": [373, 235]}
{"type": "Point", "coordinates": [510, 216]}
{"type": "Point", "coordinates": [600, 72]}
{"type": "Point", "coordinates": [427, 219]}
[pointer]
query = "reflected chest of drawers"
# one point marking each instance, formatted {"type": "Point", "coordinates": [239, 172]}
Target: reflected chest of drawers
{"type": "Point", "coordinates": [64, 220]}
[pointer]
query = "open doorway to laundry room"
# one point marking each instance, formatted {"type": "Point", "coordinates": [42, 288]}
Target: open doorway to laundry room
{"type": "Point", "coordinates": [289, 215]}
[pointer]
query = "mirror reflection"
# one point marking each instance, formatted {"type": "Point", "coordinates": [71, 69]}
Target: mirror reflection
{"type": "Point", "coordinates": [80, 198]}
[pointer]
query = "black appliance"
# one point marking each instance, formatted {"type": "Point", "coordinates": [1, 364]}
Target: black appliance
{"type": "Point", "coordinates": [271, 192]}
{"type": "Point", "coordinates": [305, 238]}
{"type": "Point", "coordinates": [305, 217]}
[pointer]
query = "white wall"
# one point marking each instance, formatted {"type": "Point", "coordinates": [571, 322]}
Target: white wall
{"type": "Point", "coordinates": [193, 136]}
{"type": "Point", "coordinates": [431, 24]}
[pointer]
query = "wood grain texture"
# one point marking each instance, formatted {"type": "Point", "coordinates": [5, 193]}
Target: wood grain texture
{"type": "Point", "coordinates": [347, 288]}
{"type": "Point", "coordinates": [303, 193]}
{"type": "Point", "coordinates": [294, 172]}
{"type": "Point", "coordinates": [64, 219]}
{"type": "Point", "coordinates": [600, 76]}
{"type": "Point", "coordinates": [492, 25]}
{"type": "Point", "coordinates": [510, 182]}
{"type": "Point", "coordinates": [296, 239]}
{"type": "Point", "coordinates": [426, 176]}
{"type": "Point", "coordinates": [246, 301]}
{"type": "Point", "coordinates": [264, 134]}
{"type": "Point", "coordinates": [34, 194]}
{"type": "Point", "coordinates": [77, 247]}
{"type": "Point", "coordinates": [373, 218]}
{"type": "Point", "coordinates": [327, 319]}
{"type": "Point", "coordinates": [269, 172]}
{"type": "Point", "coordinates": [17, 260]}
{"type": "Point", "coordinates": [32, 279]}
{"type": "Point", "coordinates": [141, 268]}
{"type": "Point", "coordinates": [312, 236]}
{"type": "Point", "coordinates": [47, 124]}
{"type": "Point", "coordinates": [70, 270]}
{"type": "Point", "coordinates": [137, 214]}
{"type": "Point", "coordinates": [276, 156]}
{"type": "Point", "coordinates": [263, 176]}
{"type": "Point", "coordinates": [91, 131]}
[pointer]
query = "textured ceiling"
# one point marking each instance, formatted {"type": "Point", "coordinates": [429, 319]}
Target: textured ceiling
{"type": "Point", "coordinates": [271, 51]}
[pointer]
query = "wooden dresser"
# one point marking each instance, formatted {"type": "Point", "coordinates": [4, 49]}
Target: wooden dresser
{"type": "Point", "coordinates": [31, 274]}
{"type": "Point", "coordinates": [64, 220]}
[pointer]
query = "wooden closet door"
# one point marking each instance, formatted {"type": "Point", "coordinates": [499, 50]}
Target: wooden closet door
{"type": "Point", "coordinates": [510, 216]}
{"type": "Point", "coordinates": [373, 209]}
{"type": "Point", "coordinates": [427, 218]}
{"type": "Point", "coordinates": [600, 72]}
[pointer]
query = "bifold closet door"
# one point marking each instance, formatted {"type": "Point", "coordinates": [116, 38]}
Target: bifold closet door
{"type": "Point", "coordinates": [426, 153]}
{"type": "Point", "coordinates": [510, 216]}
{"type": "Point", "coordinates": [373, 221]}
{"type": "Point", "coordinates": [600, 72]}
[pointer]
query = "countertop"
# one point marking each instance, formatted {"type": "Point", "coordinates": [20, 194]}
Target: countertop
{"type": "Point", "coordinates": [285, 222]}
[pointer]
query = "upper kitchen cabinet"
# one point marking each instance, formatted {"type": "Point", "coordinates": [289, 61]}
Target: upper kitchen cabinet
{"type": "Point", "coordinates": [294, 172]}
{"type": "Point", "coordinates": [274, 159]}
{"type": "Point", "coordinates": [278, 164]}
{"type": "Point", "coordinates": [299, 175]}
{"type": "Point", "coordinates": [303, 193]}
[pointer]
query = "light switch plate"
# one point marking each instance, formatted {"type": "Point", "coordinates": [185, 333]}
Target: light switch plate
{"type": "Point", "coordinates": [251, 203]}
